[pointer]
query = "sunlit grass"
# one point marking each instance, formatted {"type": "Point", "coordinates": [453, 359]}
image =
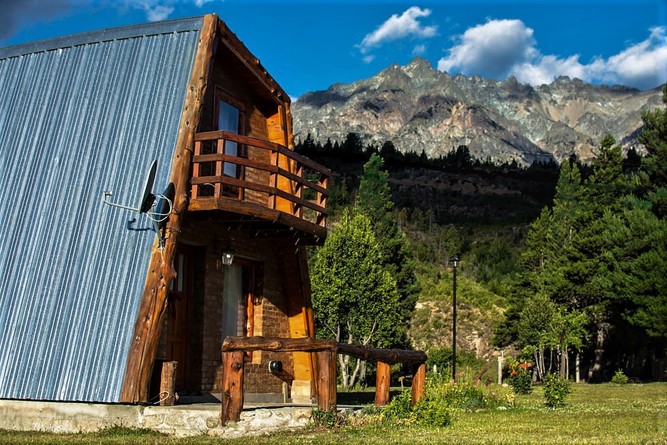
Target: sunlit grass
{"type": "Point", "coordinates": [594, 414]}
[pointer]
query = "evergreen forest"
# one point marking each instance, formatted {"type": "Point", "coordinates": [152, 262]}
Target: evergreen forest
{"type": "Point", "coordinates": [562, 266]}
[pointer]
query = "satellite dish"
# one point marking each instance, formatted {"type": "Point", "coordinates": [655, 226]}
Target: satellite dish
{"type": "Point", "coordinates": [159, 211]}
{"type": "Point", "coordinates": [146, 199]}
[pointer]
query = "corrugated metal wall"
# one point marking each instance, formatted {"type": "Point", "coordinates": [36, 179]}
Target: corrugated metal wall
{"type": "Point", "coordinates": [74, 122]}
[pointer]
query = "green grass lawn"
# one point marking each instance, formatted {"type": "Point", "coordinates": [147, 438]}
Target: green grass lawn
{"type": "Point", "coordinates": [595, 414]}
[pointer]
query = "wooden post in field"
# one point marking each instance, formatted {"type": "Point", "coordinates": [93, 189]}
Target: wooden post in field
{"type": "Point", "coordinates": [232, 386]}
{"type": "Point", "coordinates": [326, 380]}
{"type": "Point", "coordinates": [382, 381]}
{"type": "Point", "coordinates": [168, 383]}
{"type": "Point", "coordinates": [418, 382]}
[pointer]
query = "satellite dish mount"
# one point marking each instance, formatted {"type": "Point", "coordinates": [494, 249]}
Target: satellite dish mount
{"type": "Point", "coordinates": [156, 207]}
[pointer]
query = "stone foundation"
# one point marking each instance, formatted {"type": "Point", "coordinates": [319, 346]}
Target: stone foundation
{"type": "Point", "coordinates": [180, 420]}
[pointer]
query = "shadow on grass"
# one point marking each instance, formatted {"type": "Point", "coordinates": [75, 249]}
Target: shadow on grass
{"type": "Point", "coordinates": [362, 397]}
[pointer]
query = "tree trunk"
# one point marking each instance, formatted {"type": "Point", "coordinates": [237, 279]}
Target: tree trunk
{"type": "Point", "coordinates": [595, 371]}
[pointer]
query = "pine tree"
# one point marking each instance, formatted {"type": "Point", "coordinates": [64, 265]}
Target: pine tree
{"type": "Point", "coordinates": [374, 200]}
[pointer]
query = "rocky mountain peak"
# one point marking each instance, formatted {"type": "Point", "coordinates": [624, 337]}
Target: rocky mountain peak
{"type": "Point", "coordinates": [420, 108]}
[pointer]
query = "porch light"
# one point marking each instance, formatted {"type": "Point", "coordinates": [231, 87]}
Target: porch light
{"type": "Point", "coordinates": [228, 257]}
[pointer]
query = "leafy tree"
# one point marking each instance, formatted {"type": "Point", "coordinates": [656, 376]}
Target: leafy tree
{"type": "Point", "coordinates": [354, 297]}
{"type": "Point", "coordinates": [375, 202]}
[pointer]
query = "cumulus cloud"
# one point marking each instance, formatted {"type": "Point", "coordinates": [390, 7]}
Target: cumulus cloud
{"type": "Point", "coordinates": [491, 49]}
{"type": "Point", "coordinates": [398, 27]}
{"type": "Point", "coordinates": [502, 48]}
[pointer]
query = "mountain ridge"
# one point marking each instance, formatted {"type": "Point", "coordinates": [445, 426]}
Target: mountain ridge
{"type": "Point", "coordinates": [419, 108]}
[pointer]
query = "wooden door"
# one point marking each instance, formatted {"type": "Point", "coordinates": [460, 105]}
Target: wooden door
{"type": "Point", "coordinates": [178, 315]}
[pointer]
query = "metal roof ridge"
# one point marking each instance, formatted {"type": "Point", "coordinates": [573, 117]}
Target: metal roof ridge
{"type": "Point", "coordinates": [104, 35]}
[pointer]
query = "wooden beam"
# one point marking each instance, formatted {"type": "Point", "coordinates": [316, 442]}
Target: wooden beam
{"type": "Point", "coordinates": [306, 344]}
{"type": "Point", "coordinates": [232, 386]}
{"type": "Point", "coordinates": [153, 304]}
{"type": "Point", "coordinates": [382, 383]}
{"type": "Point", "coordinates": [389, 356]}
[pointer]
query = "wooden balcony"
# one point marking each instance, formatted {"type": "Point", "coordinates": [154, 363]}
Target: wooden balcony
{"type": "Point", "coordinates": [281, 191]}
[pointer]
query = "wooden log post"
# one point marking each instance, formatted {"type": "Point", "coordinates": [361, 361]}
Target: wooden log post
{"type": "Point", "coordinates": [326, 380]}
{"type": "Point", "coordinates": [382, 383]}
{"type": "Point", "coordinates": [168, 383]}
{"type": "Point", "coordinates": [232, 386]}
{"type": "Point", "coordinates": [418, 382]}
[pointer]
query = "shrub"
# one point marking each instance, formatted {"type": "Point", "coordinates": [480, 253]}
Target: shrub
{"type": "Point", "coordinates": [441, 397]}
{"type": "Point", "coordinates": [555, 390]}
{"type": "Point", "coordinates": [432, 412]}
{"type": "Point", "coordinates": [519, 376]}
{"type": "Point", "coordinates": [326, 418]}
{"type": "Point", "coordinates": [620, 378]}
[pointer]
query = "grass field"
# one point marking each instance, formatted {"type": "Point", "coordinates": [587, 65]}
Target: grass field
{"type": "Point", "coordinates": [595, 414]}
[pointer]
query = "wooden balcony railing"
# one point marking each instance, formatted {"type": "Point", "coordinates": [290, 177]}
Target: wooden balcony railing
{"type": "Point", "coordinates": [259, 178]}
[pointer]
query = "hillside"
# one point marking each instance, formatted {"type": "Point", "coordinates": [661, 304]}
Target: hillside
{"type": "Point", "coordinates": [421, 109]}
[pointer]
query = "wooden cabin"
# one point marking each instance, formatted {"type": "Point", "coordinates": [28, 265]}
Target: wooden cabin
{"type": "Point", "coordinates": [92, 300]}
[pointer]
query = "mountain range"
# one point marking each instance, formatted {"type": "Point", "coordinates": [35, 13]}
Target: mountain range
{"type": "Point", "coordinates": [419, 108]}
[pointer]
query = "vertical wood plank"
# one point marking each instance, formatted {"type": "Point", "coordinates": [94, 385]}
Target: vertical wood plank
{"type": "Point", "coordinates": [168, 383]}
{"type": "Point", "coordinates": [418, 382]}
{"type": "Point", "coordinates": [196, 170]}
{"type": "Point", "coordinates": [326, 385]}
{"type": "Point", "coordinates": [382, 381]}
{"type": "Point", "coordinates": [219, 149]}
{"type": "Point", "coordinates": [232, 386]}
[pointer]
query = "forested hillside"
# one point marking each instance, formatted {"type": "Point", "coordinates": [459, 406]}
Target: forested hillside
{"type": "Point", "coordinates": [555, 261]}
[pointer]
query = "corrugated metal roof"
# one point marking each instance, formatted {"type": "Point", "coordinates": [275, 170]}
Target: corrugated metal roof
{"type": "Point", "coordinates": [78, 116]}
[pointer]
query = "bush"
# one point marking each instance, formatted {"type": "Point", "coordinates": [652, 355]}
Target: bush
{"type": "Point", "coordinates": [326, 418]}
{"type": "Point", "coordinates": [620, 378]}
{"type": "Point", "coordinates": [441, 397]}
{"type": "Point", "coordinates": [519, 376]}
{"type": "Point", "coordinates": [555, 390]}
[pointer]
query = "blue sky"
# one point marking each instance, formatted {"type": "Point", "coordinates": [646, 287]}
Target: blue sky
{"type": "Point", "coordinates": [309, 45]}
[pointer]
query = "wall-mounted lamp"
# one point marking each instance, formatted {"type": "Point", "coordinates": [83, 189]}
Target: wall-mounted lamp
{"type": "Point", "coordinates": [228, 256]}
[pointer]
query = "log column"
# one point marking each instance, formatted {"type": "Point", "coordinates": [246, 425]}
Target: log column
{"type": "Point", "coordinates": [232, 386]}
{"type": "Point", "coordinates": [326, 380]}
{"type": "Point", "coordinates": [382, 381]}
{"type": "Point", "coordinates": [418, 382]}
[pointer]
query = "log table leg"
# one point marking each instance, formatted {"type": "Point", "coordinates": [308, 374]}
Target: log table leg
{"type": "Point", "coordinates": [382, 381]}
{"type": "Point", "coordinates": [232, 386]}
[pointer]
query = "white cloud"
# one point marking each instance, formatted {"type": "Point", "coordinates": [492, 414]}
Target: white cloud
{"type": "Point", "coordinates": [398, 27]}
{"type": "Point", "coordinates": [491, 49]}
{"type": "Point", "coordinates": [419, 50]}
{"type": "Point", "coordinates": [368, 59]}
{"type": "Point", "coordinates": [500, 48]}
{"type": "Point", "coordinates": [643, 65]}
{"type": "Point", "coordinates": [157, 10]}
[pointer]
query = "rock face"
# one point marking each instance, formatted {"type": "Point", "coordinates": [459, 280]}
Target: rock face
{"type": "Point", "coordinates": [419, 108]}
